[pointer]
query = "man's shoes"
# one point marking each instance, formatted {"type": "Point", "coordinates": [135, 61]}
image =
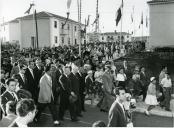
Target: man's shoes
{"type": "Point", "coordinates": [74, 120]}
{"type": "Point", "coordinates": [167, 109]}
{"type": "Point", "coordinates": [80, 115]}
{"type": "Point", "coordinates": [102, 110]}
{"type": "Point", "coordinates": [57, 123]}
{"type": "Point", "coordinates": [84, 110]}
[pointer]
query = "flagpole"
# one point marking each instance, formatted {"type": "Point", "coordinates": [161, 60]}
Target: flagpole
{"type": "Point", "coordinates": [34, 45]}
{"type": "Point", "coordinates": [142, 27]}
{"type": "Point", "coordinates": [121, 24]}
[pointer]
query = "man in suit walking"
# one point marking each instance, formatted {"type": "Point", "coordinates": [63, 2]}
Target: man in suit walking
{"type": "Point", "coordinates": [38, 72]}
{"type": "Point", "coordinates": [75, 88]}
{"type": "Point", "coordinates": [81, 77]}
{"type": "Point", "coordinates": [117, 116]}
{"type": "Point", "coordinates": [32, 87]}
{"type": "Point", "coordinates": [46, 97]}
{"type": "Point", "coordinates": [21, 77]}
{"type": "Point", "coordinates": [65, 93]}
{"type": "Point", "coordinates": [9, 94]}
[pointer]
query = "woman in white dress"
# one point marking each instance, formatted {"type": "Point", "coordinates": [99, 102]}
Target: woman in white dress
{"type": "Point", "coordinates": [151, 98]}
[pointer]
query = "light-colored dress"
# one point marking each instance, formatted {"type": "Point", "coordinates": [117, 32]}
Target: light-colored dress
{"type": "Point", "coordinates": [151, 98]}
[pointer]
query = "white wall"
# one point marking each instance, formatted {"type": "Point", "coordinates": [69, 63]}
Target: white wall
{"type": "Point", "coordinates": [27, 31]}
{"type": "Point", "coordinates": [14, 32]}
{"type": "Point", "coordinates": [161, 25]}
{"type": "Point", "coordinates": [54, 32]}
{"type": "Point", "coordinates": [4, 33]}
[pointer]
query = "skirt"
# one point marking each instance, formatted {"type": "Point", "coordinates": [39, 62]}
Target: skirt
{"type": "Point", "coordinates": [151, 100]}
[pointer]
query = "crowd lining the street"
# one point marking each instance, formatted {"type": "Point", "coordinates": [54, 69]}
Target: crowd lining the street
{"type": "Point", "coordinates": [58, 78]}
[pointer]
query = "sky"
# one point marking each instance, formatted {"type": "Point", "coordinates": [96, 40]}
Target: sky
{"type": "Point", "coordinates": [11, 9]}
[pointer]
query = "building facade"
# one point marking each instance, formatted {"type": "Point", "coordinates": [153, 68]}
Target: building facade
{"type": "Point", "coordinates": [51, 31]}
{"type": "Point", "coordinates": [161, 23]}
{"type": "Point", "coordinates": [110, 37]}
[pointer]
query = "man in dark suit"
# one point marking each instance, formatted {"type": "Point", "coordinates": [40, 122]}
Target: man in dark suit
{"type": "Point", "coordinates": [75, 88]}
{"type": "Point", "coordinates": [32, 87]}
{"type": "Point", "coordinates": [38, 72]}
{"type": "Point", "coordinates": [81, 78]}
{"type": "Point", "coordinates": [144, 81]}
{"type": "Point", "coordinates": [9, 94]}
{"type": "Point", "coordinates": [117, 115]}
{"type": "Point", "coordinates": [65, 94]}
{"type": "Point", "coordinates": [21, 77]}
{"type": "Point", "coordinates": [55, 80]}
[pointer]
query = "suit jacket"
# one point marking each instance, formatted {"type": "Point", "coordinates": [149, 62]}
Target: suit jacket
{"type": "Point", "coordinates": [32, 86]}
{"type": "Point", "coordinates": [5, 97]}
{"type": "Point", "coordinates": [144, 79]}
{"type": "Point", "coordinates": [23, 84]}
{"type": "Point", "coordinates": [117, 118]}
{"type": "Point", "coordinates": [45, 92]}
{"type": "Point", "coordinates": [38, 74]}
{"type": "Point", "coordinates": [55, 81]}
{"type": "Point", "coordinates": [81, 79]}
{"type": "Point", "coordinates": [65, 85]}
{"type": "Point", "coordinates": [74, 83]}
{"type": "Point", "coordinates": [107, 82]}
{"type": "Point", "coordinates": [7, 120]}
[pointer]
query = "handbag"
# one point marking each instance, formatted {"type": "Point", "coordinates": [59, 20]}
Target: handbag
{"type": "Point", "coordinates": [72, 98]}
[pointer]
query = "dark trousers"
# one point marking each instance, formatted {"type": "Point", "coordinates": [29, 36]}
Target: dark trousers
{"type": "Point", "coordinates": [167, 97]}
{"type": "Point", "coordinates": [78, 105]}
{"type": "Point", "coordinates": [52, 108]}
{"type": "Point", "coordinates": [144, 92]}
{"type": "Point", "coordinates": [161, 98]}
{"type": "Point", "coordinates": [82, 97]}
{"type": "Point", "coordinates": [66, 105]}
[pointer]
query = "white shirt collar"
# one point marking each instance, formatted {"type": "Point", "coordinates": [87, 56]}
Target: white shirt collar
{"type": "Point", "coordinates": [21, 125]}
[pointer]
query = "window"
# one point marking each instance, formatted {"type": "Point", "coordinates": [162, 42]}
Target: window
{"type": "Point", "coordinates": [55, 24]}
{"type": "Point", "coordinates": [62, 40]}
{"type": "Point", "coordinates": [102, 38]}
{"type": "Point", "coordinates": [75, 28]}
{"type": "Point", "coordinates": [127, 36]}
{"type": "Point", "coordinates": [32, 41]}
{"type": "Point", "coordinates": [68, 26]}
{"type": "Point", "coordinates": [75, 41]}
{"type": "Point", "coordinates": [62, 26]}
{"type": "Point", "coordinates": [55, 39]}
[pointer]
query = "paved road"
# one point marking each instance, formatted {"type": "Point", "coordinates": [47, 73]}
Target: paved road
{"type": "Point", "coordinates": [93, 114]}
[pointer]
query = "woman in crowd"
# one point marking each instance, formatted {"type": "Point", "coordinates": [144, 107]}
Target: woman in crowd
{"type": "Point", "coordinates": [121, 78]}
{"type": "Point", "coordinates": [151, 98]}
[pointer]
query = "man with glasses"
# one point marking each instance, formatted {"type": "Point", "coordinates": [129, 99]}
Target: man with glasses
{"type": "Point", "coordinates": [9, 94]}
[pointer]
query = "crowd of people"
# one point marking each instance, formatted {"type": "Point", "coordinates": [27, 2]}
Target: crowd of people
{"type": "Point", "coordinates": [59, 79]}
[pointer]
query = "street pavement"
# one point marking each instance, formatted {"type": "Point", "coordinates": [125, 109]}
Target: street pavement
{"type": "Point", "coordinates": [93, 114]}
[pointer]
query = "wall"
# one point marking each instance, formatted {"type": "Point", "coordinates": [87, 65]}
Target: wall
{"type": "Point", "coordinates": [54, 32]}
{"type": "Point", "coordinates": [27, 31]}
{"type": "Point", "coordinates": [161, 25]}
{"type": "Point", "coordinates": [4, 33]}
{"type": "Point", "coordinates": [14, 32]}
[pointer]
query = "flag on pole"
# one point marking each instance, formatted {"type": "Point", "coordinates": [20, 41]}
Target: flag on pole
{"type": "Point", "coordinates": [122, 3]}
{"type": "Point", "coordinates": [68, 3]}
{"type": "Point", "coordinates": [142, 18]}
{"type": "Point", "coordinates": [132, 20]}
{"type": "Point", "coordinates": [28, 11]}
{"type": "Point", "coordinates": [88, 20]}
{"type": "Point", "coordinates": [96, 19]}
{"type": "Point", "coordinates": [146, 22]}
{"type": "Point", "coordinates": [118, 16]}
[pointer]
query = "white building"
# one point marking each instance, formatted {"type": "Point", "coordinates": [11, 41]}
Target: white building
{"type": "Point", "coordinates": [110, 37]}
{"type": "Point", "coordinates": [161, 23]}
{"type": "Point", "coordinates": [51, 31]}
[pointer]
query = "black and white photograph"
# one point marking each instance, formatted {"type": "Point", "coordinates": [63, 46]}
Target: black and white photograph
{"type": "Point", "coordinates": [87, 63]}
